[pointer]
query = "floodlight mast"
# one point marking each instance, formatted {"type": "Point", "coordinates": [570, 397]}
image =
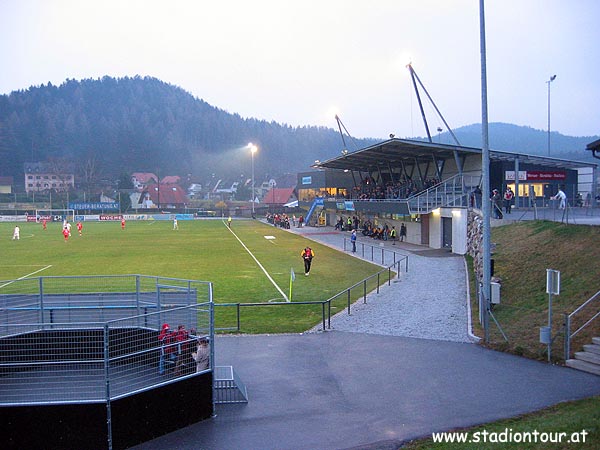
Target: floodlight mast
{"type": "Point", "coordinates": [416, 78]}
{"type": "Point", "coordinates": [340, 126]}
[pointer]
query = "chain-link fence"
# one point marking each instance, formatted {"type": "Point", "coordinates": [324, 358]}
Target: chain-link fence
{"type": "Point", "coordinates": [67, 340]}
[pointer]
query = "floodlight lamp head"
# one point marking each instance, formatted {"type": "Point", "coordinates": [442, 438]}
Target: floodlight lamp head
{"type": "Point", "coordinates": [553, 77]}
{"type": "Point", "coordinates": [392, 135]}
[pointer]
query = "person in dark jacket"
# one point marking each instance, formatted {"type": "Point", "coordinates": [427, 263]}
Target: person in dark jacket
{"type": "Point", "coordinates": [307, 255]}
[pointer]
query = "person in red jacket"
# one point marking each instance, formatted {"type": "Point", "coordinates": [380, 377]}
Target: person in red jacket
{"type": "Point", "coordinates": [168, 348]}
{"type": "Point", "coordinates": [183, 354]}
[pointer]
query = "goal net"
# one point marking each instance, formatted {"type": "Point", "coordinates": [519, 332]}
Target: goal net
{"type": "Point", "coordinates": [55, 215]}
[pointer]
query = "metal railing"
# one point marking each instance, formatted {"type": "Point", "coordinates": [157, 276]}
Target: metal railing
{"type": "Point", "coordinates": [451, 192]}
{"type": "Point", "coordinates": [326, 305]}
{"type": "Point", "coordinates": [569, 318]}
{"type": "Point", "coordinates": [64, 342]}
{"type": "Point", "coordinates": [377, 254]}
{"type": "Point", "coordinates": [93, 362]}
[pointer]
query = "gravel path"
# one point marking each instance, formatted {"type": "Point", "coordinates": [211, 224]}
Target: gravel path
{"type": "Point", "coordinates": [428, 302]}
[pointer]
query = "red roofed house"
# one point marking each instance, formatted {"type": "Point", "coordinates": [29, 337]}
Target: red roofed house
{"type": "Point", "coordinates": [170, 179]}
{"type": "Point", "coordinates": [163, 196]}
{"type": "Point", "coordinates": [279, 196]}
{"type": "Point", "coordinates": [142, 179]}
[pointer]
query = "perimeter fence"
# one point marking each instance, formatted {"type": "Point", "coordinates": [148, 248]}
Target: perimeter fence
{"type": "Point", "coordinates": [95, 339]}
{"type": "Point", "coordinates": [395, 263]}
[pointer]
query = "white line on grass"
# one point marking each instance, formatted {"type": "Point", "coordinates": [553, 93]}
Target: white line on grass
{"type": "Point", "coordinates": [25, 276]}
{"type": "Point", "coordinates": [259, 264]}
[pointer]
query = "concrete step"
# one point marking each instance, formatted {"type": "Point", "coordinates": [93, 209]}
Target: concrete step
{"type": "Point", "coordinates": [592, 348]}
{"type": "Point", "coordinates": [588, 357]}
{"type": "Point", "coordinates": [596, 340]}
{"type": "Point", "coordinates": [584, 366]}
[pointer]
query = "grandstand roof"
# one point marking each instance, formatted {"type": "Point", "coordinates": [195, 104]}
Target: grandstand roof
{"type": "Point", "coordinates": [397, 152]}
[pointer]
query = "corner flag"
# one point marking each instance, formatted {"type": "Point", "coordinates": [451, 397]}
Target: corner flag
{"type": "Point", "coordinates": [292, 279]}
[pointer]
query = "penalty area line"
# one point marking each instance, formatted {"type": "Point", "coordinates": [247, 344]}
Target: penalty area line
{"type": "Point", "coordinates": [259, 265]}
{"type": "Point", "coordinates": [26, 276]}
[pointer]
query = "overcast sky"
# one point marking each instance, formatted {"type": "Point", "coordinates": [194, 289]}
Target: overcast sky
{"type": "Point", "coordinates": [301, 62]}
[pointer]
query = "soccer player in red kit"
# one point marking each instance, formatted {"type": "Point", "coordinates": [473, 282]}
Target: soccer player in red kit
{"type": "Point", "coordinates": [79, 227]}
{"type": "Point", "coordinates": [122, 224]}
{"type": "Point", "coordinates": [65, 233]}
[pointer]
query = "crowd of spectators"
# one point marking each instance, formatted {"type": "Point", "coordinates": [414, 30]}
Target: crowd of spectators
{"type": "Point", "coordinates": [281, 220]}
{"type": "Point", "coordinates": [392, 190]}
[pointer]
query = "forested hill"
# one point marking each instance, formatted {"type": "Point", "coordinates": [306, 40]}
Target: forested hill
{"type": "Point", "coordinates": [123, 125]}
{"type": "Point", "coordinates": [107, 127]}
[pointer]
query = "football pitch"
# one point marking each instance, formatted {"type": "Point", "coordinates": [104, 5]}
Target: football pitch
{"type": "Point", "coordinates": [251, 263]}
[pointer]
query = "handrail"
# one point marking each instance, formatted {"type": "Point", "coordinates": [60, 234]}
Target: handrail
{"type": "Point", "coordinates": [450, 192]}
{"type": "Point", "coordinates": [402, 257]}
{"type": "Point", "coordinates": [568, 316]}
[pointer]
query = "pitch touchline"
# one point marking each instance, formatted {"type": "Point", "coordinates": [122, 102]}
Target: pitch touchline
{"type": "Point", "coordinates": [25, 276]}
{"type": "Point", "coordinates": [259, 264]}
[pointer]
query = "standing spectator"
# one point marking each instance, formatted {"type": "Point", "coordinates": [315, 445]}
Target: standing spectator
{"type": "Point", "coordinates": [168, 348]}
{"type": "Point", "coordinates": [560, 195]}
{"type": "Point", "coordinates": [477, 197]}
{"type": "Point", "coordinates": [393, 236]}
{"type": "Point", "coordinates": [17, 233]}
{"type": "Point", "coordinates": [201, 355]}
{"type": "Point", "coordinates": [307, 255]}
{"type": "Point", "coordinates": [353, 240]}
{"type": "Point", "coordinates": [508, 198]}
{"type": "Point", "coordinates": [497, 203]}
{"type": "Point", "coordinates": [300, 221]}
{"type": "Point", "coordinates": [182, 340]}
{"type": "Point", "coordinates": [402, 232]}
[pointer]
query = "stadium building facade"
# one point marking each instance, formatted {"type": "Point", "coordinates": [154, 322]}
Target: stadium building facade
{"type": "Point", "coordinates": [430, 187]}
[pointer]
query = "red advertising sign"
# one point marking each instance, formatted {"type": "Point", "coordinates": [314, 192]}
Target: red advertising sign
{"type": "Point", "coordinates": [111, 216]}
{"type": "Point", "coordinates": [538, 175]}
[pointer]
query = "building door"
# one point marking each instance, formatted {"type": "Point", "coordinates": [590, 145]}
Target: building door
{"type": "Point", "coordinates": [425, 229]}
{"type": "Point", "coordinates": [447, 232]}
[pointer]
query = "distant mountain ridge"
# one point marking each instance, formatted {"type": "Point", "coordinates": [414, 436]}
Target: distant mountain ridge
{"type": "Point", "coordinates": [522, 139]}
{"type": "Point", "coordinates": [110, 126]}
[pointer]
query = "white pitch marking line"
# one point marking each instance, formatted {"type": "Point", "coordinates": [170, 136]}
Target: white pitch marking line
{"type": "Point", "coordinates": [259, 265]}
{"type": "Point", "coordinates": [25, 276]}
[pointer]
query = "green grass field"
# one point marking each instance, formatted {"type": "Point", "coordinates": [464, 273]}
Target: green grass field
{"type": "Point", "coordinates": [203, 250]}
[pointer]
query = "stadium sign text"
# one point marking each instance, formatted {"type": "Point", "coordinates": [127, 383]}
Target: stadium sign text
{"type": "Point", "coordinates": [95, 205]}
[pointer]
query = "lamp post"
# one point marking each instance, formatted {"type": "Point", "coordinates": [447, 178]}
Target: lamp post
{"type": "Point", "coordinates": [253, 149]}
{"type": "Point", "coordinates": [552, 78]}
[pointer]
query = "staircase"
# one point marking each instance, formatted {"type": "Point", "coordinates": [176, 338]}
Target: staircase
{"type": "Point", "coordinates": [589, 359]}
{"type": "Point", "coordinates": [452, 192]}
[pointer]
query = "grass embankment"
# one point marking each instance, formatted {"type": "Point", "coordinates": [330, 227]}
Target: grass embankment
{"type": "Point", "coordinates": [568, 418]}
{"type": "Point", "coordinates": [523, 252]}
{"type": "Point", "coordinates": [200, 250]}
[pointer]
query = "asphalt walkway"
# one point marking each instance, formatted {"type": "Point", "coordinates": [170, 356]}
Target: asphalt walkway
{"type": "Point", "coordinates": [363, 389]}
